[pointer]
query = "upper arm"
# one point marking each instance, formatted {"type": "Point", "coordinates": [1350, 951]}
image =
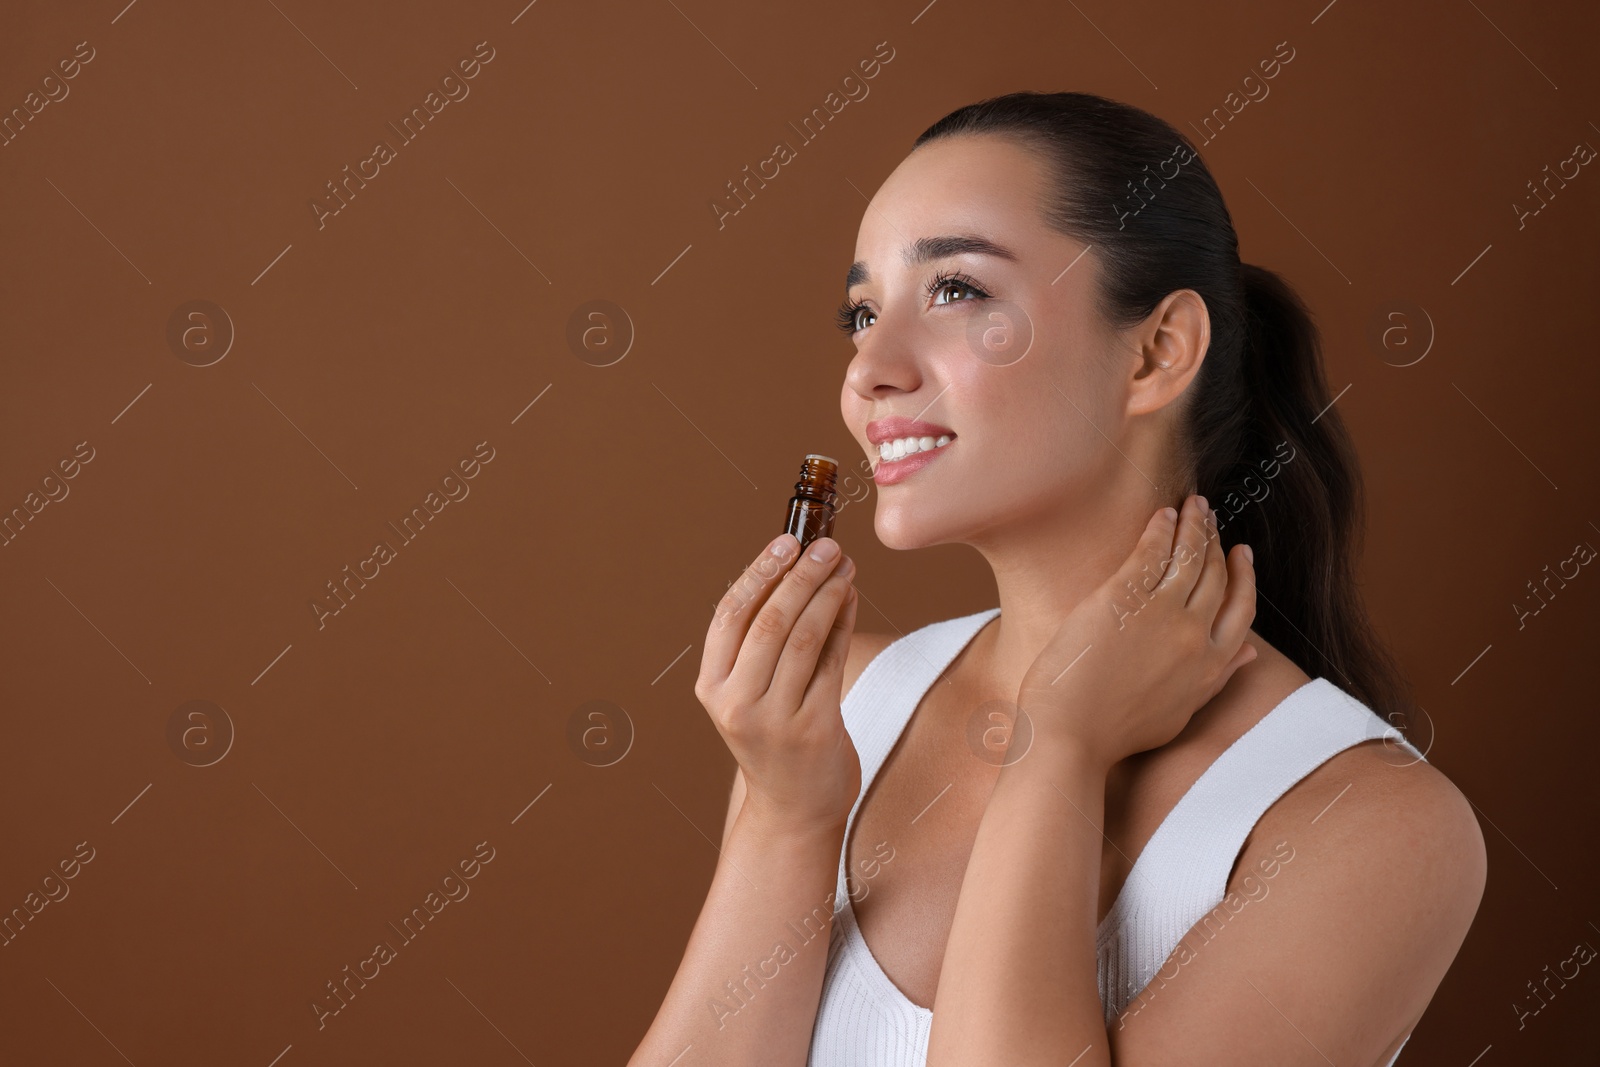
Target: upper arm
{"type": "Point", "coordinates": [863, 647]}
{"type": "Point", "coordinates": [1333, 953]}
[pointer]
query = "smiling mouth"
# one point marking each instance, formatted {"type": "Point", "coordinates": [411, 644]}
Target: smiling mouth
{"type": "Point", "coordinates": [903, 447]}
{"type": "Point", "coordinates": [901, 462]}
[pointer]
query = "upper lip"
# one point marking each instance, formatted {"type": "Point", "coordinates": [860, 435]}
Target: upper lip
{"type": "Point", "coordinates": [896, 426]}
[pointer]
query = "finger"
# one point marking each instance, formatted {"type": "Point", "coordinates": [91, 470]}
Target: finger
{"type": "Point", "coordinates": [802, 652]}
{"type": "Point", "coordinates": [1238, 602]}
{"type": "Point", "coordinates": [1188, 550]}
{"type": "Point", "coordinates": [1208, 588]}
{"type": "Point", "coordinates": [743, 598]}
{"type": "Point", "coordinates": [1246, 653]}
{"type": "Point", "coordinates": [774, 620]}
{"type": "Point", "coordinates": [827, 682]}
{"type": "Point", "coordinates": [1142, 572]}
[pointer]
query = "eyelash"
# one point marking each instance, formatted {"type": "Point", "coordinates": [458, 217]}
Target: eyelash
{"type": "Point", "coordinates": [846, 315]}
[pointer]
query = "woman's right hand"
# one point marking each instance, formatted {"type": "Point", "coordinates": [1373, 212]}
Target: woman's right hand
{"type": "Point", "coordinates": [771, 677]}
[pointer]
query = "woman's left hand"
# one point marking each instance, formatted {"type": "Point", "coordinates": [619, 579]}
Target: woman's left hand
{"type": "Point", "coordinates": [1138, 657]}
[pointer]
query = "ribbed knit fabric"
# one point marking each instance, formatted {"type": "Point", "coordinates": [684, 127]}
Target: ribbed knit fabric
{"type": "Point", "coordinates": [1179, 876]}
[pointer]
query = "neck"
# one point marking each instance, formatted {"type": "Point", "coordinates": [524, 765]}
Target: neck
{"type": "Point", "coordinates": [1045, 568]}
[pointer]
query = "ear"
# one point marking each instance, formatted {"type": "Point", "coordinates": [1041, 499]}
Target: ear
{"type": "Point", "coordinates": [1168, 348]}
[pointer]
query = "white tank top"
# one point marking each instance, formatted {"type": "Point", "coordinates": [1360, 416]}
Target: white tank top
{"type": "Point", "coordinates": [1180, 875]}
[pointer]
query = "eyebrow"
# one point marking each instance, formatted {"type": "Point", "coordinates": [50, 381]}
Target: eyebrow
{"type": "Point", "coordinates": [927, 249]}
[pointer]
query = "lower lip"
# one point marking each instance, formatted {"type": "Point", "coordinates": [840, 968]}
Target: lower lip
{"type": "Point", "coordinates": [892, 471]}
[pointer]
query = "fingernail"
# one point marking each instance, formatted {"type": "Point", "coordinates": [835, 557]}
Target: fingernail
{"type": "Point", "coordinates": [1202, 502]}
{"type": "Point", "coordinates": [846, 568]}
{"type": "Point", "coordinates": [1249, 555]}
{"type": "Point", "coordinates": [1171, 513]}
{"type": "Point", "coordinates": [824, 549]}
{"type": "Point", "coordinates": [780, 546]}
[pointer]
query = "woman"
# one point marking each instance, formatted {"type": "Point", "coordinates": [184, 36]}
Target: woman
{"type": "Point", "coordinates": [1056, 346]}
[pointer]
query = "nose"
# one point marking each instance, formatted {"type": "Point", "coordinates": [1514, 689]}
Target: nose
{"type": "Point", "coordinates": [886, 361]}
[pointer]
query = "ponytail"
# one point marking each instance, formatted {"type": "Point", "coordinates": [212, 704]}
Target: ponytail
{"type": "Point", "coordinates": [1262, 440]}
{"type": "Point", "coordinates": [1293, 492]}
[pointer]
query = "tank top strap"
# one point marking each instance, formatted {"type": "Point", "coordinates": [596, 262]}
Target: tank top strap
{"type": "Point", "coordinates": [886, 694]}
{"type": "Point", "coordinates": [1182, 872]}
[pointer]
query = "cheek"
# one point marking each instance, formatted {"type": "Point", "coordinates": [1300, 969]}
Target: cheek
{"type": "Point", "coordinates": [854, 411]}
{"type": "Point", "coordinates": [1058, 411]}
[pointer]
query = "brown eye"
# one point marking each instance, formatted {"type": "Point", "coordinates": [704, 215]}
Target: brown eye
{"type": "Point", "coordinates": [849, 316]}
{"type": "Point", "coordinates": [957, 282]}
{"type": "Point", "coordinates": [959, 287]}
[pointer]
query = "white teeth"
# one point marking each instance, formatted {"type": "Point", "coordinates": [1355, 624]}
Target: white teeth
{"type": "Point", "coordinates": [889, 451]}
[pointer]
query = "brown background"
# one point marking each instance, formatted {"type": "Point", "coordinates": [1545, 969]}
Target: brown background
{"type": "Point", "coordinates": [369, 756]}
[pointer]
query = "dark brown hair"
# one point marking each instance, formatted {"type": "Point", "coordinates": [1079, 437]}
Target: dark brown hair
{"type": "Point", "coordinates": [1259, 395]}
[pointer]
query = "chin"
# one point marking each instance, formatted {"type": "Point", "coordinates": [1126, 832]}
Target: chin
{"type": "Point", "coordinates": [899, 527]}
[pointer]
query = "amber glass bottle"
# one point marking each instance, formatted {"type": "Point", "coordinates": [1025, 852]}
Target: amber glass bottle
{"type": "Point", "coordinates": [811, 509]}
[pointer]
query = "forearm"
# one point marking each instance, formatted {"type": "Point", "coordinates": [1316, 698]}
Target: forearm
{"type": "Point", "coordinates": [748, 987]}
{"type": "Point", "coordinates": [1019, 981]}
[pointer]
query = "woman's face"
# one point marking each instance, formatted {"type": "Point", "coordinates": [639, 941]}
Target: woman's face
{"type": "Point", "coordinates": [1004, 353]}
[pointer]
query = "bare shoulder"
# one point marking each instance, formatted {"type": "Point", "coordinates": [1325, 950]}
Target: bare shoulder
{"type": "Point", "coordinates": [1423, 809]}
{"type": "Point", "coordinates": [1387, 810]}
{"type": "Point", "coordinates": [1395, 846]}
{"type": "Point", "coordinates": [1374, 866]}
{"type": "Point", "coordinates": [1378, 801]}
